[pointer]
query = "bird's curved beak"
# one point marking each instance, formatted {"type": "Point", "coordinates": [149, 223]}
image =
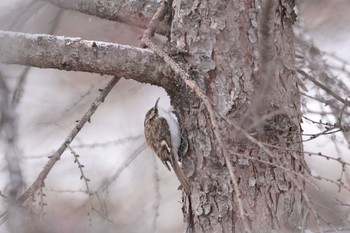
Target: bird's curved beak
{"type": "Point", "coordinates": [156, 105]}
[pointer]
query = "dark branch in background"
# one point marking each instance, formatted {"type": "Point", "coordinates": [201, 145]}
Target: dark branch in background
{"type": "Point", "coordinates": [2, 195]}
{"type": "Point", "coordinates": [45, 51]}
{"type": "Point", "coordinates": [39, 182]}
{"type": "Point", "coordinates": [8, 133]}
{"type": "Point", "coordinates": [135, 13]}
{"type": "Point", "coordinates": [155, 21]}
{"type": "Point", "coordinates": [17, 94]}
{"type": "Point", "coordinates": [16, 20]}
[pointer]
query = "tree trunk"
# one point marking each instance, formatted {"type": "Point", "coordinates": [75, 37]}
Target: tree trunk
{"type": "Point", "coordinates": [240, 53]}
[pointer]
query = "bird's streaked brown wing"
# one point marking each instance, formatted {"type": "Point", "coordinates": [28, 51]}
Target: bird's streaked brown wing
{"type": "Point", "coordinates": [162, 140]}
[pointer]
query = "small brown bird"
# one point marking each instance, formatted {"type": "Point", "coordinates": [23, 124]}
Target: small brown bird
{"type": "Point", "coordinates": [159, 137]}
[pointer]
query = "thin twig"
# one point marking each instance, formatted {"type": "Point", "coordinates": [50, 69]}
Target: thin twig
{"type": "Point", "coordinates": [309, 153]}
{"type": "Point", "coordinates": [103, 212]}
{"type": "Point", "coordinates": [115, 176]}
{"type": "Point", "coordinates": [65, 191]}
{"type": "Point", "coordinates": [92, 145]}
{"type": "Point", "coordinates": [42, 204]}
{"type": "Point", "coordinates": [86, 181]}
{"type": "Point", "coordinates": [323, 133]}
{"type": "Point", "coordinates": [323, 87]}
{"type": "Point", "coordinates": [105, 185]}
{"type": "Point", "coordinates": [109, 143]}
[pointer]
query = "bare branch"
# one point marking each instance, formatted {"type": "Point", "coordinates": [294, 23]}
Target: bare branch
{"type": "Point", "coordinates": [135, 13]}
{"type": "Point", "coordinates": [39, 182]}
{"type": "Point", "coordinates": [63, 53]}
{"type": "Point", "coordinates": [57, 155]}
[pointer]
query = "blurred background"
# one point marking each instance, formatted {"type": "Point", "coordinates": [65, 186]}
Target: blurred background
{"type": "Point", "coordinates": [135, 191]}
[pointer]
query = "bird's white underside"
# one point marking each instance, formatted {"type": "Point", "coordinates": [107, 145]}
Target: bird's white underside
{"type": "Point", "coordinates": [174, 128]}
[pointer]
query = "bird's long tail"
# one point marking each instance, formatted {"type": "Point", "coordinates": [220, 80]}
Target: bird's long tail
{"type": "Point", "coordinates": [181, 176]}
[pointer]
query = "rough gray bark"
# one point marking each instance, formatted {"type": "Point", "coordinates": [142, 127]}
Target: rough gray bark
{"type": "Point", "coordinates": [221, 41]}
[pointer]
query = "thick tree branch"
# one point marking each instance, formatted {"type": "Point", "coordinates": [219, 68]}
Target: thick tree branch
{"type": "Point", "coordinates": [63, 53]}
{"type": "Point", "coordinates": [135, 13]}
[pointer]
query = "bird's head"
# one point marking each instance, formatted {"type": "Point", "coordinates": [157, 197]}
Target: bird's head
{"type": "Point", "coordinates": [152, 113]}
